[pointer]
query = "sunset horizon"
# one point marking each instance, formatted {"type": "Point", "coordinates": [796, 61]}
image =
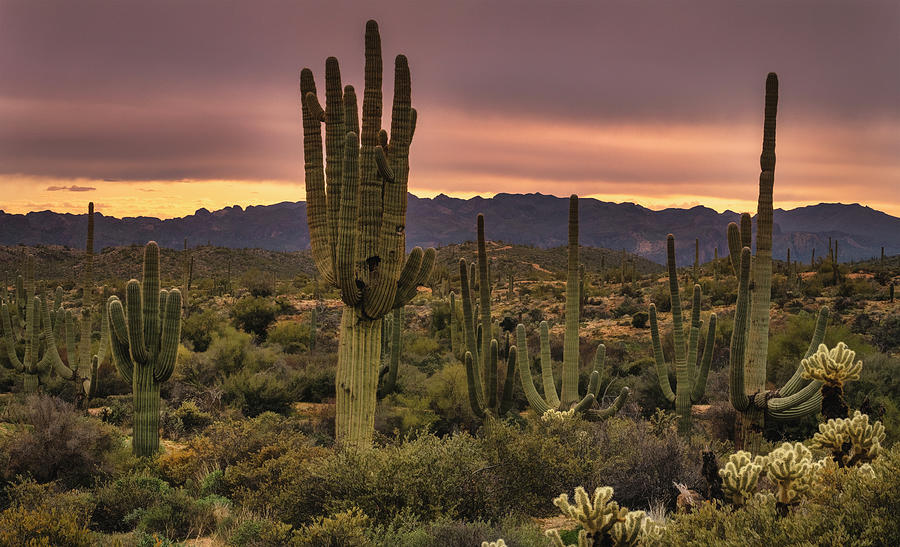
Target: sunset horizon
{"type": "Point", "coordinates": [164, 109]}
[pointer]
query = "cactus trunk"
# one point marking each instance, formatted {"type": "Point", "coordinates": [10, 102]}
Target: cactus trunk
{"type": "Point", "coordinates": [359, 361]}
{"type": "Point", "coordinates": [145, 392]}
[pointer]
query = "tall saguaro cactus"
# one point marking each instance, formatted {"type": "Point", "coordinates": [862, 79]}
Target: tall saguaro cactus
{"type": "Point", "coordinates": [34, 365]}
{"type": "Point", "coordinates": [356, 212]}
{"type": "Point", "coordinates": [568, 398]}
{"type": "Point", "coordinates": [690, 381]}
{"type": "Point", "coordinates": [482, 362]}
{"type": "Point", "coordinates": [750, 339]}
{"type": "Point", "coordinates": [145, 336]}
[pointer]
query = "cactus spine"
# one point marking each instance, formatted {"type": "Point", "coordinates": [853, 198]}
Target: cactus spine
{"type": "Point", "coordinates": [569, 397]}
{"type": "Point", "coordinates": [481, 362]}
{"type": "Point", "coordinates": [690, 382]}
{"type": "Point", "coordinates": [750, 339]}
{"type": "Point", "coordinates": [357, 221]}
{"type": "Point", "coordinates": [145, 333]}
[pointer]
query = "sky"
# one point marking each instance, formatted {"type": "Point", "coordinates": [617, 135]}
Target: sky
{"type": "Point", "coordinates": [160, 108]}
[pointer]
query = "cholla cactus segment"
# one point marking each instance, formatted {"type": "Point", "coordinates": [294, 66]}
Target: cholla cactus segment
{"type": "Point", "coordinates": [864, 439]}
{"type": "Point", "coordinates": [792, 470]}
{"type": "Point", "coordinates": [630, 531]}
{"type": "Point", "coordinates": [833, 367]}
{"type": "Point", "coordinates": [740, 476]}
{"type": "Point", "coordinates": [498, 543]}
{"type": "Point", "coordinates": [557, 416]}
{"type": "Point", "coordinates": [596, 514]}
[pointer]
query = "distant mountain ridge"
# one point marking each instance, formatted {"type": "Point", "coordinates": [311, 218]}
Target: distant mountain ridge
{"type": "Point", "coordinates": [527, 219]}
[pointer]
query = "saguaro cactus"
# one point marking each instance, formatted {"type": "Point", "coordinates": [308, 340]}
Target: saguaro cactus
{"type": "Point", "coordinates": [357, 222]}
{"type": "Point", "coordinates": [750, 339]}
{"type": "Point", "coordinates": [34, 365]}
{"type": "Point", "coordinates": [145, 335]}
{"type": "Point", "coordinates": [481, 362]}
{"type": "Point", "coordinates": [82, 365]}
{"type": "Point", "coordinates": [691, 381]}
{"type": "Point", "coordinates": [568, 398]}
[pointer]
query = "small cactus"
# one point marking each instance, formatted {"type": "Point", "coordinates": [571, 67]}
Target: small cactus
{"type": "Point", "coordinates": [792, 470]}
{"type": "Point", "coordinates": [601, 519]}
{"type": "Point", "coordinates": [833, 368]}
{"type": "Point", "coordinates": [740, 475]}
{"type": "Point", "coordinates": [852, 441]}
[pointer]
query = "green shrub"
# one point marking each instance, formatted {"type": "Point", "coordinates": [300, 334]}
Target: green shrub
{"type": "Point", "coordinates": [639, 320]}
{"type": "Point", "coordinates": [344, 529]}
{"type": "Point", "coordinates": [292, 336]}
{"type": "Point", "coordinates": [124, 495]}
{"type": "Point", "coordinates": [259, 532]}
{"type": "Point", "coordinates": [254, 315]}
{"type": "Point", "coordinates": [256, 392]}
{"type": "Point", "coordinates": [198, 328]}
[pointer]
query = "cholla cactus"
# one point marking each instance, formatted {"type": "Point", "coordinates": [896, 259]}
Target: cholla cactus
{"type": "Point", "coordinates": [740, 476]}
{"type": "Point", "coordinates": [852, 441]}
{"type": "Point", "coordinates": [792, 470]}
{"type": "Point", "coordinates": [832, 367]}
{"type": "Point", "coordinates": [602, 520]}
{"type": "Point", "coordinates": [498, 543]}
{"type": "Point", "coordinates": [557, 416]}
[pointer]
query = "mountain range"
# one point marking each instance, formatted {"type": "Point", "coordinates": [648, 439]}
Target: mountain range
{"type": "Point", "coordinates": [528, 219]}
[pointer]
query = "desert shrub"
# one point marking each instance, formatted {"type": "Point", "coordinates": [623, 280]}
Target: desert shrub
{"type": "Point", "coordinates": [226, 442]}
{"type": "Point", "coordinates": [117, 411]}
{"type": "Point", "coordinates": [405, 414]}
{"type": "Point", "coordinates": [449, 398]}
{"type": "Point", "coordinates": [274, 479]}
{"type": "Point", "coordinates": [432, 477]}
{"type": "Point", "coordinates": [639, 320]}
{"type": "Point", "coordinates": [234, 351]}
{"type": "Point", "coordinates": [254, 315]}
{"type": "Point", "coordinates": [177, 515]}
{"type": "Point", "coordinates": [38, 514]}
{"type": "Point", "coordinates": [312, 385]}
{"type": "Point", "coordinates": [119, 498]}
{"type": "Point", "coordinates": [51, 441]}
{"type": "Point", "coordinates": [344, 529]}
{"type": "Point", "coordinates": [628, 307]}
{"type": "Point", "coordinates": [256, 392]}
{"type": "Point", "coordinates": [198, 328]}
{"type": "Point", "coordinates": [185, 420]}
{"type": "Point", "coordinates": [660, 296]}
{"type": "Point", "coordinates": [886, 335]}
{"type": "Point", "coordinates": [258, 532]}
{"type": "Point", "coordinates": [257, 283]}
{"type": "Point", "coordinates": [449, 533]}
{"type": "Point", "coordinates": [292, 336]}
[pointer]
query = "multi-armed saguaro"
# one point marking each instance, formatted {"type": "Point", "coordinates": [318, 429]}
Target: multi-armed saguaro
{"type": "Point", "coordinates": [145, 336]}
{"type": "Point", "coordinates": [750, 339]}
{"type": "Point", "coordinates": [690, 381]}
{"type": "Point", "coordinates": [481, 362]}
{"type": "Point", "coordinates": [82, 364]}
{"type": "Point", "coordinates": [357, 223]}
{"type": "Point", "coordinates": [568, 398]}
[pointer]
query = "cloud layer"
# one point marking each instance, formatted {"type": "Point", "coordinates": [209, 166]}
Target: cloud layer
{"type": "Point", "coordinates": [654, 102]}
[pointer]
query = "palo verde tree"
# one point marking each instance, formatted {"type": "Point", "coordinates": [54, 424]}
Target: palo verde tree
{"type": "Point", "coordinates": [356, 212]}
